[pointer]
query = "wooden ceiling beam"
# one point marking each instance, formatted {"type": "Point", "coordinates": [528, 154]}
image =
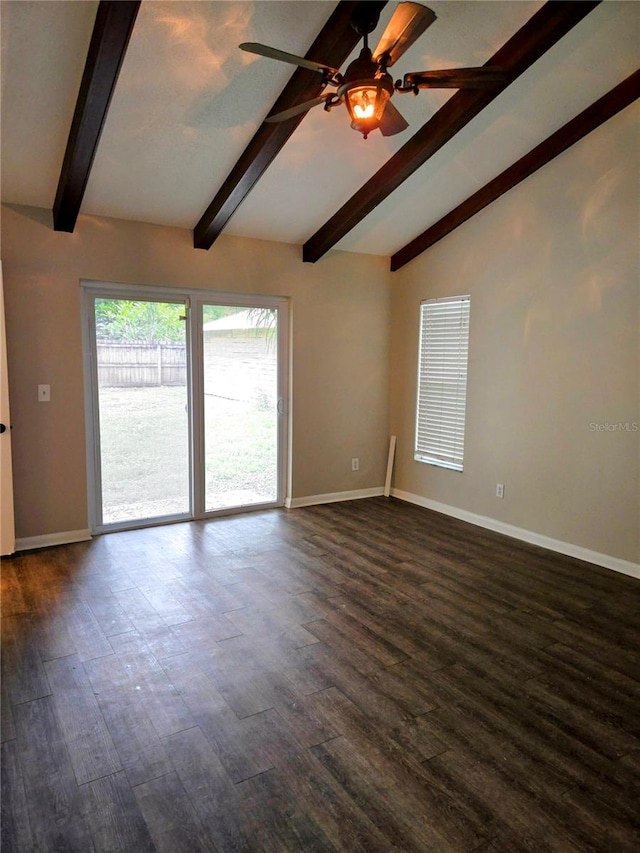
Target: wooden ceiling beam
{"type": "Point", "coordinates": [598, 113]}
{"type": "Point", "coordinates": [333, 45]}
{"type": "Point", "coordinates": [547, 26]}
{"type": "Point", "coordinates": [111, 33]}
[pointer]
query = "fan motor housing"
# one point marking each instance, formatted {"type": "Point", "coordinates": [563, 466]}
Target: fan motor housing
{"type": "Point", "coordinates": [363, 71]}
{"type": "Point", "coordinates": [362, 68]}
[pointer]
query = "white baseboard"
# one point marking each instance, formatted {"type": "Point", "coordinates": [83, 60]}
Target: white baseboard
{"type": "Point", "coordinates": [334, 497]}
{"type": "Point", "coordinates": [614, 563]}
{"type": "Point", "coordinates": [49, 539]}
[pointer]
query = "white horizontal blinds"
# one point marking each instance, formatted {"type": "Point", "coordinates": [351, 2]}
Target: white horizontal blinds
{"type": "Point", "coordinates": [442, 381]}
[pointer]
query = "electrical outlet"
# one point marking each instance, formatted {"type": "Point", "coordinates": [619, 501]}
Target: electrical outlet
{"type": "Point", "coordinates": [355, 464]}
{"type": "Point", "coordinates": [44, 393]}
{"type": "Point", "coordinates": [499, 490]}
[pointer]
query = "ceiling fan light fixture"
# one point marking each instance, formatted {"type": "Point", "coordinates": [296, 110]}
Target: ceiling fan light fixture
{"type": "Point", "coordinates": [366, 104]}
{"type": "Point", "coordinates": [366, 101]}
{"type": "Point", "coordinates": [366, 88]}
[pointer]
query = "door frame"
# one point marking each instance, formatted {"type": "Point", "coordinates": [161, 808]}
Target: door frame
{"type": "Point", "coordinates": [193, 300]}
{"type": "Point", "coordinates": [7, 515]}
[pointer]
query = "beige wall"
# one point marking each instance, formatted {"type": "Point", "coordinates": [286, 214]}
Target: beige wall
{"type": "Point", "coordinates": [553, 273]}
{"type": "Point", "coordinates": [340, 311]}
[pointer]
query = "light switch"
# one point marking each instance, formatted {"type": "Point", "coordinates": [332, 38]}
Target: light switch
{"type": "Point", "coordinates": [44, 393]}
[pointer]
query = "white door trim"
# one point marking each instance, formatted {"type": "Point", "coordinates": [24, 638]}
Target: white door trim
{"type": "Point", "coordinates": [7, 516]}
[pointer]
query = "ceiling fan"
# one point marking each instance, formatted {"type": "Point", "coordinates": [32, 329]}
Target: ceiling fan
{"type": "Point", "coordinates": [366, 86]}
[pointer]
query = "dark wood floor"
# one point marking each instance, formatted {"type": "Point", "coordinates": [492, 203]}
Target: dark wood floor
{"type": "Point", "coordinates": [366, 676]}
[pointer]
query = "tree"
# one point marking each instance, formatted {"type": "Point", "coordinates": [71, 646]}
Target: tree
{"type": "Point", "coordinates": [139, 322]}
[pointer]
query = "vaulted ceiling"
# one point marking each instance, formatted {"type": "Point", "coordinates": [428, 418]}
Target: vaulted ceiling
{"type": "Point", "coordinates": [169, 115]}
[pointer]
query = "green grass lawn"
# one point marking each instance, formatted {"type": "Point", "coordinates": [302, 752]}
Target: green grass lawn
{"type": "Point", "coordinates": [145, 455]}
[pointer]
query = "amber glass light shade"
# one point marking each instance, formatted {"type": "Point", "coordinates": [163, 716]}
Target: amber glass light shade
{"type": "Point", "coordinates": [366, 104]}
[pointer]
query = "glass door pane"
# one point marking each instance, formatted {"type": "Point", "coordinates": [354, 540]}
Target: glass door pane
{"type": "Point", "coordinates": [143, 410]}
{"type": "Point", "coordinates": [240, 382]}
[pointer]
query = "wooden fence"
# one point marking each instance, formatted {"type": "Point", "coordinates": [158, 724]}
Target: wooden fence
{"type": "Point", "coordinates": [140, 365]}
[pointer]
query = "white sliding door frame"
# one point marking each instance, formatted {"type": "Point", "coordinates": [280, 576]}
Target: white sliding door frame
{"type": "Point", "coordinates": [194, 301]}
{"type": "Point", "coordinates": [91, 292]}
{"type": "Point", "coordinates": [280, 304]}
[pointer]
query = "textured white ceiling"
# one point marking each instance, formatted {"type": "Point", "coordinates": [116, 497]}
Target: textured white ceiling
{"type": "Point", "coordinates": [188, 101]}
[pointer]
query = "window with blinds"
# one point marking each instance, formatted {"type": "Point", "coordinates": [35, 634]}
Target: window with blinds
{"type": "Point", "coordinates": [442, 381]}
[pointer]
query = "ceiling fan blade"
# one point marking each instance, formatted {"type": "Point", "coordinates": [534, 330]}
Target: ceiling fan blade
{"type": "Point", "coordinates": [456, 78]}
{"type": "Point", "coordinates": [295, 111]}
{"type": "Point", "coordinates": [283, 56]}
{"type": "Point", "coordinates": [392, 121]}
{"type": "Point", "coordinates": [407, 23]}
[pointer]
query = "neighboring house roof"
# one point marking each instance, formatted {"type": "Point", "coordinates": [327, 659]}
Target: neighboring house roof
{"type": "Point", "coordinates": [234, 322]}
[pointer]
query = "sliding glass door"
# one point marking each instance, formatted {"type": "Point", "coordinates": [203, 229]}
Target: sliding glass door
{"type": "Point", "coordinates": [185, 404]}
{"type": "Point", "coordinates": [141, 410]}
{"type": "Point", "coordinates": [240, 375]}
